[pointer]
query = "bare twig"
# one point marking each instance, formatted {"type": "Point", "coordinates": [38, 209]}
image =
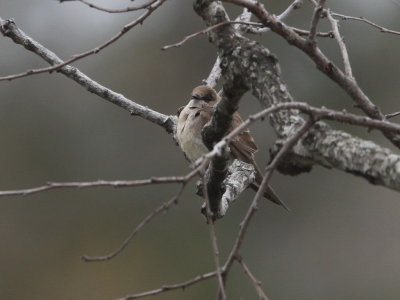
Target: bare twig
{"type": "Point", "coordinates": [60, 64]}
{"type": "Point", "coordinates": [9, 29]}
{"type": "Point", "coordinates": [98, 183]}
{"type": "Point", "coordinates": [317, 113]}
{"type": "Point", "coordinates": [165, 206]}
{"type": "Point", "coordinates": [364, 20]}
{"type": "Point", "coordinates": [343, 50]}
{"type": "Point", "coordinates": [214, 244]}
{"type": "Point", "coordinates": [122, 10]}
{"type": "Point", "coordinates": [171, 287]}
{"type": "Point", "coordinates": [286, 13]}
{"type": "Point", "coordinates": [295, 5]}
{"type": "Point", "coordinates": [256, 283]}
{"type": "Point", "coordinates": [290, 142]}
{"type": "Point", "coordinates": [392, 115]}
{"type": "Point", "coordinates": [361, 19]}
{"type": "Point", "coordinates": [307, 33]}
{"type": "Point", "coordinates": [204, 31]}
{"type": "Point", "coordinates": [314, 22]}
{"type": "Point", "coordinates": [253, 24]}
{"type": "Point", "coordinates": [322, 62]}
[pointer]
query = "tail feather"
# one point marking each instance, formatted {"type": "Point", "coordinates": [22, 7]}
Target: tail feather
{"type": "Point", "coordinates": [246, 156]}
{"type": "Point", "coordinates": [270, 195]}
{"type": "Point", "coordinates": [268, 192]}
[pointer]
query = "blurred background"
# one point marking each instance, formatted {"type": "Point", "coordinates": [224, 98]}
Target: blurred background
{"type": "Point", "coordinates": [340, 241]}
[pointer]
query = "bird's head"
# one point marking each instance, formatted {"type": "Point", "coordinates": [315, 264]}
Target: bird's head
{"type": "Point", "coordinates": [203, 96]}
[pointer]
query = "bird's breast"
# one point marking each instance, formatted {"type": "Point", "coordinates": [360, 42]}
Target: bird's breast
{"type": "Point", "coordinates": [188, 132]}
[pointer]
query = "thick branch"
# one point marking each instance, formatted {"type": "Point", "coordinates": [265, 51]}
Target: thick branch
{"type": "Point", "coordinates": [9, 29]}
{"type": "Point", "coordinates": [233, 90]}
{"type": "Point", "coordinates": [261, 70]}
{"type": "Point", "coordinates": [326, 66]}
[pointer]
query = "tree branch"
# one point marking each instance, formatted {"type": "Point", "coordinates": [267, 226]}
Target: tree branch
{"type": "Point", "coordinates": [342, 46]}
{"type": "Point", "coordinates": [98, 183]}
{"type": "Point", "coordinates": [122, 10]}
{"type": "Point", "coordinates": [314, 22]}
{"type": "Point", "coordinates": [256, 283]}
{"type": "Point", "coordinates": [5, 28]}
{"type": "Point", "coordinates": [289, 143]}
{"type": "Point", "coordinates": [171, 287]}
{"type": "Point", "coordinates": [323, 145]}
{"type": "Point", "coordinates": [349, 85]}
{"type": "Point", "coordinates": [9, 29]}
{"type": "Point", "coordinates": [364, 20]}
{"type": "Point", "coordinates": [214, 244]}
{"type": "Point", "coordinates": [163, 207]}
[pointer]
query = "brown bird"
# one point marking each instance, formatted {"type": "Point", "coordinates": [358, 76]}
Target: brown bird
{"type": "Point", "coordinates": [191, 120]}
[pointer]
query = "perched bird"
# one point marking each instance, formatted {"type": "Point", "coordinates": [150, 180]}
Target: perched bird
{"type": "Point", "coordinates": [191, 120]}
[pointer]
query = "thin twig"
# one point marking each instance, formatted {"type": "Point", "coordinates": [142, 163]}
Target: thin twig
{"type": "Point", "coordinates": [171, 287]}
{"type": "Point", "coordinates": [98, 183]}
{"type": "Point", "coordinates": [214, 244]}
{"type": "Point", "coordinates": [322, 62]}
{"type": "Point", "coordinates": [109, 10]}
{"type": "Point", "coordinates": [303, 32]}
{"type": "Point", "coordinates": [286, 13]}
{"type": "Point", "coordinates": [295, 5]}
{"type": "Point", "coordinates": [253, 279]}
{"type": "Point", "coordinates": [364, 20]}
{"type": "Point", "coordinates": [317, 113]}
{"type": "Point", "coordinates": [361, 19]}
{"type": "Point", "coordinates": [290, 142]}
{"type": "Point", "coordinates": [392, 115]}
{"type": "Point", "coordinates": [165, 206]}
{"type": "Point", "coordinates": [96, 50]}
{"type": "Point", "coordinates": [342, 46]}
{"type": "Point", "coordinates": [9, 29]}
{"type": "Point", "coordinates": [204, 31]}
{"type": "Point", "coordinates": [314, 22]}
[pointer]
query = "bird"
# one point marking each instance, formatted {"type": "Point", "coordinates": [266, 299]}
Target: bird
{"type": "Point", "coordinates": [196, 114]}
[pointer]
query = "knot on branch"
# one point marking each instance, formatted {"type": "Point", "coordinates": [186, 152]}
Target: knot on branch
{"type": "Point", "coordinates": [6, 26]}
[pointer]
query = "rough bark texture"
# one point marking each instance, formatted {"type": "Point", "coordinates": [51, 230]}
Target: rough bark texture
{"type": "Point", "coordinates": [237, 178]}
{"type": "Point", "coordinates": [259, 71]}
{"type": "Point", "coordinates": [240, 176]}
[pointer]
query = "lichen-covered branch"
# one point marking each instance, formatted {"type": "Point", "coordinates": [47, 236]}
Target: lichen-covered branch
{"type": "Point", "coordinates": [326, 66]}
{"type": "Point", "coordinates": [322, 145]}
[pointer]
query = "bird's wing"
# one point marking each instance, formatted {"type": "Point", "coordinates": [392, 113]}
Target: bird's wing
{"type": "Point", "coordinates": [242, 146]}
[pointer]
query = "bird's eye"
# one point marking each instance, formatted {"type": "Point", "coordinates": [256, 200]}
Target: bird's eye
{"type": "Point", "coordinates": [207, 98]}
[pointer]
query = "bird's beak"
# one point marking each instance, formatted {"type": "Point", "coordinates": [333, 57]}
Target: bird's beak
{"type": "Point", "coordinates": [196, 103]}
